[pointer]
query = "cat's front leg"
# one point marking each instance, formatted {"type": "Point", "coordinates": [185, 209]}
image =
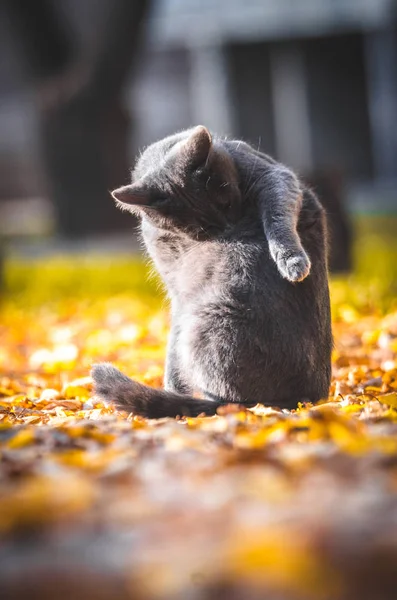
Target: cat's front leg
{"type": "Point", "coordinates": [173, 379]}
{"type": "Point", "coordinates": [280, 203]}
{"type": "Point", "coordinates": [279, 195]}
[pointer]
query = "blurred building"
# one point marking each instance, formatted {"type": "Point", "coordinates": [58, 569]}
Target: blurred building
{"type": "Point", "coordinates": [312, 82]}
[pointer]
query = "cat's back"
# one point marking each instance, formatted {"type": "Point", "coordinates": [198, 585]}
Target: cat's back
{"type": "Point", "coordinates": [233, 284]}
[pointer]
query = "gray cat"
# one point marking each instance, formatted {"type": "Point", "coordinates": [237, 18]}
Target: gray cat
{"type": "Point", "coordinates": [241, 246]}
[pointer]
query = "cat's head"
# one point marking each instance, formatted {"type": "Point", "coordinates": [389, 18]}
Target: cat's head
{"type": "Point", "coordinates": [186, 182]}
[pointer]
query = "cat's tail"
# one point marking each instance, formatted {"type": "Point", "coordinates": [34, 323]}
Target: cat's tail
{"type": "Point", "coordinates": [126, 394]}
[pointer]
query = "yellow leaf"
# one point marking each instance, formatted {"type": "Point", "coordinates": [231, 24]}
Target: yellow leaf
{"type": "Point", "coordinates": [76, 391]}
{"type": "Point", "coordinates": [49, 394]}
{"type": "Point", "coordinates": [79, 388]}
{"type": "Point", "coordinates": [281, 558]}
{"type": "Point", "coordinates": [389, 399]}
{"type": "Point", "coordinates": [24, 437]}
{"type": "Point", "coordinates": [40, 499]}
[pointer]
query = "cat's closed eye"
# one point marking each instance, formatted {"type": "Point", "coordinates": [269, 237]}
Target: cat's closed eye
{"type": "Point", "coordinates": [160, 200]}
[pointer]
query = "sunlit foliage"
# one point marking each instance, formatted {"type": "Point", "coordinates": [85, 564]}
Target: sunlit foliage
{"type": "Point", "coordinates": [261, 503]}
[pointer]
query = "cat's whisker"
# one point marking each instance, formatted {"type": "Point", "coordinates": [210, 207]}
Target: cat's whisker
{"type": "Point", "coordinates": [248, 191]}
{"type": "Point", "coordinates": [251, 175]}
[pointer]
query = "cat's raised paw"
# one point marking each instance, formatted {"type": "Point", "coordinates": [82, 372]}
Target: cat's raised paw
{"type": "Point", "coordinates": [294, 268]}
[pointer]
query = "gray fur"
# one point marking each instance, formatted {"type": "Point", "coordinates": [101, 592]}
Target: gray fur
{"type": "Point", "coordinates": [240, 244]}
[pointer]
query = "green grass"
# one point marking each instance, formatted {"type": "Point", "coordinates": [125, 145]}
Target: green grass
{"type": "Point", "coordinates": [371, 286]}
{"type": "Point", "coordinates": [373, 283]}
{"type": "Point", "coordinates": [59, 278]}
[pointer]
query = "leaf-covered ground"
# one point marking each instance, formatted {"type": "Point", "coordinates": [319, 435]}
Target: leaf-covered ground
{"type": "Point", "coordinates": [249, 504]}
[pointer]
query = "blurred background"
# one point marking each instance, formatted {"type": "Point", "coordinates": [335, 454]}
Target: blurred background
{"type": "Point", "coordinates": [85, 85]}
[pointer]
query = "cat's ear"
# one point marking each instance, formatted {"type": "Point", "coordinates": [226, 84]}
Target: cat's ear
{"type": "Point", "coordinates": [134, 194]}
{"type": "Point", "coordinates": [195, 150]}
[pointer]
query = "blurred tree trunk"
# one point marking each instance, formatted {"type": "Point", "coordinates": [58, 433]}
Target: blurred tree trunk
{"type": "Point", "coordinates": [328, 185]}
{"type": "Point", "coordinates": [84, 128]}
